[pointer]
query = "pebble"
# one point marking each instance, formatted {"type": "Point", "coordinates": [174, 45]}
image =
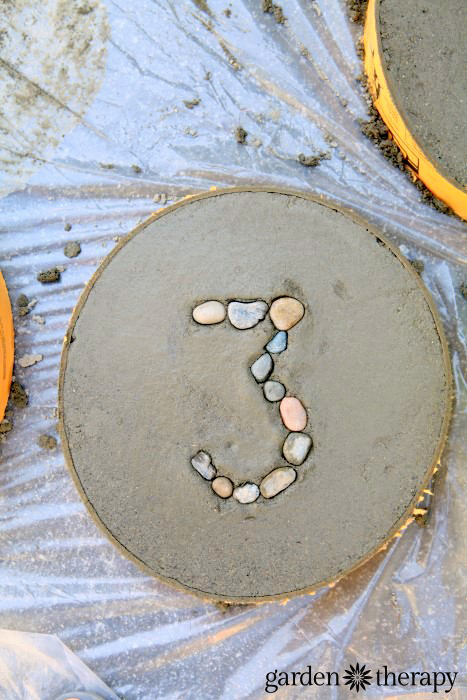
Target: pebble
{"type": "Point", "coordinates": [209, 312]}
{"type": "Point", "coordinates": [72, 249]}
{"type": "Point", "coordinates": [274, 391]}
{"type": "Point", "coordinates": [246, 493]}
{"type": "Point", "coordinates": [5, 426]}
{"type": "Point", "coordinates": [286, 312]}
{"type": "Point", "coordinates": [276, 481]}
{"type": "Point", "coordinates": [28, 360]}
{"type": "Point", "coordinates": [278, 343]}
{"type": "Point", "coordinates": [293, 414]}
{"type": "Point", "coordinates": [296, 448]}
{"type": "Point", "coordinates": [202, 463]}
{"type": "Point", "coordinates": [246, 314]}
{"type": "Point", "coordinates": [222, 486]}
{"type": "Point", "coordinates": [262, 367]}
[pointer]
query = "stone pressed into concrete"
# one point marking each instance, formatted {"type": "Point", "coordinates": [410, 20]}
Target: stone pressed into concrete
{"type": "Point", "coordinates": [209, 312]}
{"type": "Point", "coordinates": [293, 414]}
{"type": "Point", "coordinates": [247, 493]}
{"type": "Point", "coordinates": [296, 448]}
{"type": "Point", "coordinates": [286, 312]}
{"type": "Point", "coordinates": [262, 367]}
{"type": "Point", "coordinates": [273, 391]}
{"type": "Point", "coordinates": [222, 486]}
{"type": "Point", "coordinates": [245, 315]}
{"type": "Point", "coordinates": [276, 481]}
{"type": "Point", "coordinates": [278, 343]}
{"type": "Point", "coordinates": [202, 463]}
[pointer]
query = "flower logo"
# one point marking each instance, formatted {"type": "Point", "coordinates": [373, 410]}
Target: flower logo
{"type": "Point", "coordinates": [357, 677]}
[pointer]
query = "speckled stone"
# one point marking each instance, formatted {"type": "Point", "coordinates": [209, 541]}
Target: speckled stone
{"type": "Point", "coordinates": [222, 486]}
{"type": "Point", "coordinates": [246, 314]}
{"type": "Point", "coordinates": [209, 312]}
{"type": "Point", "coordinates": [202, 463]}
{"type": "Point", "coordinates": [286, 312]}
{"type": "Point", "coordinates": [278, 343]}
{"type": "Point", "coordinates": [293, 414]}
{"type": "Point", "coordinates": [296, 448]}
{"type": "Point", "coordinates": [262, 367]}
{"type": "Point", "coordinates": [274, 391]}
{"type": "Point", "coordinates": [276, 481]}
{"type": "Point", "coordinates": [246, 493]}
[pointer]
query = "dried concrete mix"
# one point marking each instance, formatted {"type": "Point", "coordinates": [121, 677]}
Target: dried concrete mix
{"type": "Point", "coordinates": [145, 388]}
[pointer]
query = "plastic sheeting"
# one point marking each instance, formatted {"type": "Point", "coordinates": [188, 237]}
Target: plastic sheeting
{"type": "Point", "coordinates": [290, 86]}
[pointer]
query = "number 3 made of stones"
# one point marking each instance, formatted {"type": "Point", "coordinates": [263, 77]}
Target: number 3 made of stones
{"type": "Point", "coordinates": [284, 312]}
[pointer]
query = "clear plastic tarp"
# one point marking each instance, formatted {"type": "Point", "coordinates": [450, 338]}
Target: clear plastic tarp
{"type": "Point", "coordinates": [96, 130]}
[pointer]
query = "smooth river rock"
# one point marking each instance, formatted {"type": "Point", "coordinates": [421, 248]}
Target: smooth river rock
{"type": "Point", "coordinates": [293, 414]}
{"type": "Point", "coordinates": [286, 312]}
{"type": "Point", "coordinates": [209, 312]}
{"type": "Point", "coordinates": [276, 481]}
{"type": "Point", "coordinates": [296, 448]}
{"type": "Point", "coordinates": [202, 463]}
{"type": "Point", "coordinates": [246, 314]}
{"type": "Point", "coordinates": [278, 343]}
{"type": "Point", "coordinates": [222, 486]}
{"type": "Point", "coordinates": [246, 493]}
{"type": "Point", "coordinates": [262, 367]}
{"type": "Point", "coordinates": [274, 391]}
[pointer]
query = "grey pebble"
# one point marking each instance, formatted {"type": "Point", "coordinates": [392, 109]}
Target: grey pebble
{"type": "Point", "coordinates": [262, 367]}
{"type": "Point", "coordinates": [278, 343]}
{"type": "Point", "coordinates": [202, 463]}
{"type": "Point", "coordinates": [246, 493]}
{"type": "Point", "coordinates": [274, 391]}
{"type": "Point", "coordinates": [296, 448]}
{"type": "Point", "coordinates": [246, 314]}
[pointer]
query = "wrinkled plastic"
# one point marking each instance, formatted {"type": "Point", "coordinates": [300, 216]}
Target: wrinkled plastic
{"type": "Point", "coordinates": [58, 574]}
{"type": "Point", "coordinates": [39, 666]}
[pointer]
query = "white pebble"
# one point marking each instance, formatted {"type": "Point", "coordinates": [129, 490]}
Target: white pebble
{"type": "Point", "coordinates": [202, 463]}
{"type": "Point", "coordinates": [246, 493]}
{"type": "Point", "coordinates": [209, 312]}
{"type": "Point", "coordinates": [246, 314]}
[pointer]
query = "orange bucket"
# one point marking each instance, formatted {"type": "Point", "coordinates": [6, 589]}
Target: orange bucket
{"type": "Point", "coordinates": [419, 163]}
{"type": "Point", "coordinates": [6, 346]}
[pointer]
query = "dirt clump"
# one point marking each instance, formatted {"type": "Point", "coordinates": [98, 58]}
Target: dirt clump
{"type": "Point", "coordinates": [49, 276]}
{"type": "Point", "coordinates": [47, 442]}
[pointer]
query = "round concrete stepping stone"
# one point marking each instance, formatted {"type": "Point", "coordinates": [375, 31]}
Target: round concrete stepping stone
{"type": "Point", "coordinates": [247, 493]}
{"type": "Point", "coordinates": [293, 414]}
{"type": "Point", "coordinates": [278, 343]}
{"type": "Point", "coordinates": [250, 242]}
{"type": "Point", "coordinates": [209, 312]}
{"type": "Point", "coordinates": [276, 481]}
{"type": "Point", "coordinates": [296, 448]}
{"type": "Point", "coordinates": [246, 314]}
{"type": "Point", "coordinates": [202, 463]}
{"type": "Point", "coordinates": [286, 312]}
{"type": "Point", "coordinates": [262, 367]}
{"type": "Point", "coordinates": [273, 391]}
{"type": "Point", "coordinates": [222, 486]}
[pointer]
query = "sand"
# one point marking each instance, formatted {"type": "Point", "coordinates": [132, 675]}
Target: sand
{"type": "Point", "coordinates": [143, 387]}
{"type": "Point", "coordinates": [424, 44]}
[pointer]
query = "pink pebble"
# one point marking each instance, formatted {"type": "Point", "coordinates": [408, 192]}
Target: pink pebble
{"type": "Point", "coordinates": [293, 414]}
